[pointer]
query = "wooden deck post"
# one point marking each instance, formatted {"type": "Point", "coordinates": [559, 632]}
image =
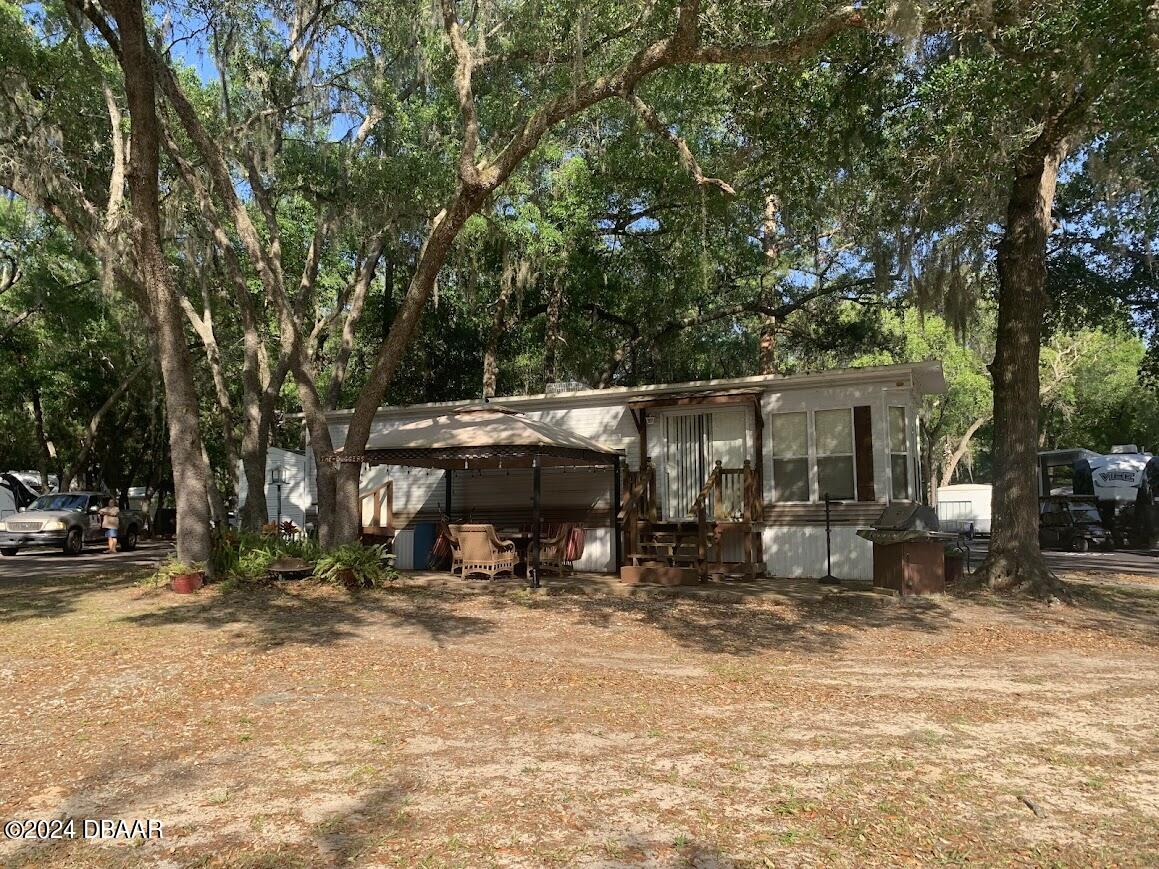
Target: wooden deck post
{"type": "Point", "coordinates": [447, 503]}
{"type": "Point", "coordinates": [617, 543]}
{"type": "Point", "coordinates": [650, 496]}
{"type": "Point", "coordinates": [390, 506]}
{"type": "Point", "coordinates": [718, 492]}
{"type": "Point", "coordinates": [536, 529]}
{"type": "Point", "coordinates": [747, 506]}
{"type": "Point", "coordinates": [702, 542]}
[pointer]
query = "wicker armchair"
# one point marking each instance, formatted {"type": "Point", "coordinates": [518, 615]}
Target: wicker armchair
{"type": "Point", "coordinates": [482, 552]}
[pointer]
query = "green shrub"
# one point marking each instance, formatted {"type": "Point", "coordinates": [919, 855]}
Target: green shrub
{"type": "Point", "coordinates": [356, 565]}
{"type": "Point", "coordinates": [246, 556]}
{"type": "Point", "coordinates": [253, 565]}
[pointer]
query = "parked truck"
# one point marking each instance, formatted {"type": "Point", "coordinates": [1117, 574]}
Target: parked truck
{"type": "Point", "coordinates": [65, 520]}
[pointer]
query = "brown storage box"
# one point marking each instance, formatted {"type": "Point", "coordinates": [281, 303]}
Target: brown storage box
{"type": "Point", "coordinates": [911, 567]}
{"type": "Point", "coordinates": [658, 574]}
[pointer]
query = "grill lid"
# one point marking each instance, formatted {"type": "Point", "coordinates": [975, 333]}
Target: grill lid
{"type": "Point", "coordinates": [907, 517]}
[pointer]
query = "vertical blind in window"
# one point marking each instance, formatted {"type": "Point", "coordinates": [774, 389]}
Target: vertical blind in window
{"type": "Point", "coordinates": [694, 443]}
{"type": "Point", "coordinates": [686, 439]}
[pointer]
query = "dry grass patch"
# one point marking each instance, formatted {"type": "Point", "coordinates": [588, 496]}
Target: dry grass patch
{"type": "Point", "coordinates": [298, 725]}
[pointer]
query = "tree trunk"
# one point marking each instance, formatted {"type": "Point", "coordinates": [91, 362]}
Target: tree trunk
{"type": "Point", "coordinates": [89, 438]}
{"type": "Point", "coordinates": [552, 339]}
{"type": "Point", "coordinates": [344, 494]}
{"type": "Point", "coordinates": [1014, 559]}
{"type": "Point", "coordinates": [770, 245]}
{"type": "Point", "coordinates": [47, 449]}
{"type": "Point", "coordinates": [498, 326]}
{"type": "Point", "coordinates": [960, 450]}
{"type": "Point", "coordinates": [768, 346]}
{"type": "Point", "coordinates": [190, 473]}
{"type": "Point", "coordinates": [203, 325]}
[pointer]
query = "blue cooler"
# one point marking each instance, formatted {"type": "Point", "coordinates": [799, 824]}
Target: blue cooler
{"type": "Point", "coordinates": [425, 534]}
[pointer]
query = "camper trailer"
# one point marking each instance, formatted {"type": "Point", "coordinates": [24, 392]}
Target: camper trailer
{"type": "Point", "coordinates": [15, 494]}
{"type": "Point", "coordinates": [1125, 486]}
{"type": "Point", "coordinates": [965, 507]}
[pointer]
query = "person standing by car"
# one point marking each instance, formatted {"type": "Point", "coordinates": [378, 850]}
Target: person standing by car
{"type": "Point", "coordinates": [110, 520]}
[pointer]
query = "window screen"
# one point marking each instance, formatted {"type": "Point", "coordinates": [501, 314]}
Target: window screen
{"type": "Point", "coordinates": [790, 432]}
{"type": "Point", "coordinates": [833, 436]}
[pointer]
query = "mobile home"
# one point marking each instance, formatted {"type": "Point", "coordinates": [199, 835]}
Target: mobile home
{"type": "Point", "coordinates": [295, 492]}
{"type": "Point", "coordinates": [851, 434]}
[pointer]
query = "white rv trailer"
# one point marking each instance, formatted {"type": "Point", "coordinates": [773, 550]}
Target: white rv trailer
{"type": "Point", "coordinates": [965, 505]}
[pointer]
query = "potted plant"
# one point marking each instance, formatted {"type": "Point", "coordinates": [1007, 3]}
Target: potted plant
{"type": "Point", "coordinates": [181, 577]}
{"type": "Point", "coordinates": [355, 566]}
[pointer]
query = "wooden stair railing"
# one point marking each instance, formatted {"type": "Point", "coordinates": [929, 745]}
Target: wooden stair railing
{"type": "Point", "coordinates": [381, 496]}
{"type": "Point", "coordinates": [732, 493]}
{"type": "Point", "coordinates": [638, 497]}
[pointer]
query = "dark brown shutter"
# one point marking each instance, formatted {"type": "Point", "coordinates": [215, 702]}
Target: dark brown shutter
{"type": "Point", "coordinates": [863, 452]}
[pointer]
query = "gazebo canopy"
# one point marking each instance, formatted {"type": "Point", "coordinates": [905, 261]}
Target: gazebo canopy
{"type": "Point", "coordinates": [485, 436]}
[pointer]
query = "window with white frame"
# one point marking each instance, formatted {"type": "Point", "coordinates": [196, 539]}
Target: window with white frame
{"type": "Point", "coordinates": [790, 434]}
{"type": "Point", "coordinates": [898, 454]}
{"type": "Point", "coordinates": [833, 442]}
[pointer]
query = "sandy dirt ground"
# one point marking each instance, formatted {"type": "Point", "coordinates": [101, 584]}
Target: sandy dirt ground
{"type": "Point", "coordinates": [417, 726]}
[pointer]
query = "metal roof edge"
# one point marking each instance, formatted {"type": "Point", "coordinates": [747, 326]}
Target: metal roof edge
{"type": "Point", "coordinates": [927, 377]}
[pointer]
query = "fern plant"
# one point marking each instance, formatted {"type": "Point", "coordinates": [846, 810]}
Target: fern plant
{"type": "Point", "coordinates": [356, 565]}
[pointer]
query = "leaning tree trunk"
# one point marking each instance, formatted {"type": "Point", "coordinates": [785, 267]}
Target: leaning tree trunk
{"type": "Point", "coordinates": [1014, 560]}
{"type": "Point", "coordinates": [343, 491]}
{"type": "Point", "coordinates": [190, 474]}
{"type": "Point", "coordinates": [771, 247]}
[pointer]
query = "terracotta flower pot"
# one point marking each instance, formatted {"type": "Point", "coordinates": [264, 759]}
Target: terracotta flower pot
{"type": "Point", "coordinates": [187, 583]}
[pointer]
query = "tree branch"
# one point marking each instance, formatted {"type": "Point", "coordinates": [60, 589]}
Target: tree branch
{"type": "Point", "coordinates": [687, 158]}
{"type": "Point", "coordinates": [464, 67]}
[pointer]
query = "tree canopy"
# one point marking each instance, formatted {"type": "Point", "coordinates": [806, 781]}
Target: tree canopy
{"type": "Point", "coordinates": [359, 203]}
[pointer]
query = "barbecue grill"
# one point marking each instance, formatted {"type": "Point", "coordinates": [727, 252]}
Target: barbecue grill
{"type": "Point", "coordinates": [908, 550]}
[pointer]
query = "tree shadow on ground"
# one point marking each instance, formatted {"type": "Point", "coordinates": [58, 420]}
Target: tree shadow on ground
{"type": "Point", "coordinates": [287, 613]}
{"type": "Point", "coordinates": [127, 786]}
{"type": "Point", "coordinates": [804, 622]}
{"type": "Point", "coordinates": [52, 597]}
{"type": "Point", "coordinates": [680, 851]}
{"type": "Point", "coordinates": [1104, 605]}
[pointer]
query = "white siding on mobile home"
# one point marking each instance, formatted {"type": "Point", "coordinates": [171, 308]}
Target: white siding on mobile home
{"type": "Point", "coordinates": [296, 494]}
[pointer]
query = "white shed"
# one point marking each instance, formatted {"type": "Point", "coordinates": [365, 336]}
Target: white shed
{"type": "Point", "coordinates": [965, 502]}
{"type": "Point", "coordinates": [295, 495]}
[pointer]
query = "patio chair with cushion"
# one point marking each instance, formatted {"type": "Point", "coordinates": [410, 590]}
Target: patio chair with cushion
{"type": "Point", "coordinates": [560, 551]}
{"type": "Point", "coordinates": [482, 552]}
